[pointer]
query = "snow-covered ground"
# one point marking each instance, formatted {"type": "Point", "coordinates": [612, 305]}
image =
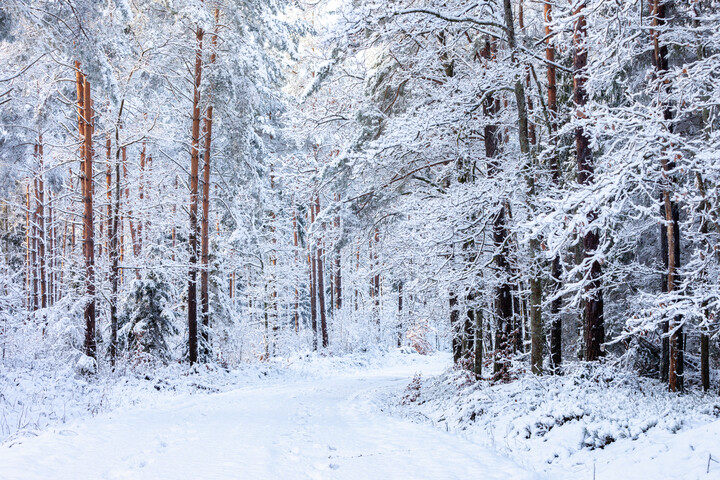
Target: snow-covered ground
{"type": "Point", "coordinates": [308, 419]}
{"type": "Point", "coordinates": [595, 422]}
{"type": "Point", "coordinates": [372, 415]}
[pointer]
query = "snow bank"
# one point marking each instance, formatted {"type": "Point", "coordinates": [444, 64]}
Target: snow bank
{"type": "Point", "coordinates": [595, 419]}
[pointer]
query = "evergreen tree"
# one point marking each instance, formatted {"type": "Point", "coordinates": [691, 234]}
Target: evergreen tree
{"type": "Point", "coordinates": [148, 321]}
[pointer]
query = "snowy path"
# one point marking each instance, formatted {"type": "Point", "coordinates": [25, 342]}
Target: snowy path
{"type": "Point", "coordinates": [319, 428]}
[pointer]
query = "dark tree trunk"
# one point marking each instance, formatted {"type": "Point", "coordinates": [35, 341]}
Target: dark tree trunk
{"type": "Point", "coordinates": [296, 311]}
{"type": "Point", "coordinates": [400, 315]}
{"type": "Point", "coordinates": [503, 298]}
{"type": "Point", "coordinates": [338, 283]}
{"type": "Point", "coordinates": [705, 362]}
{"type": "Point", "coordinates": [194, 171]}
{"type": "Point", "coordinates": [665, 325]}
{"type": "Point", "coordinates": [665, 349]}
{"type": "Point", "coordinates": [594, 323]}
{"type": "Point", "coordinates": [88, 227]}
{"type": "Point", "coordinates": [115, 273]}
{"type": "Point", "coordinates": [455, 327]}
{"type": "Point", "coordinates": [205, 239]}
{"type": "Point", "coordinates": [536, 327]}
{"type": "Point", "coordinates": [704, 209]}
{"type": "Point", "coordinates": [113, 232]}
{"type": "Point", "coordinates": [556, 305]}
{"type": "Point", "coordinates": [468, 337]}
{"type": "Point", "coordinates": [537, 338]}
{"type": "Point", "coordinates": [313, 282]}
{"type": "Point", "coordinates": [321, 284]}
{"type": "Point", "coordinates": [556, 325]}
{"type": "Point", "coordinates": [670, 212]}
{"type": "Point", "coordinates": [376, 277]}
{"type": "Point", "coordinates": [205, 221]}
{"type": "Point", "coordinates": [478, 339]}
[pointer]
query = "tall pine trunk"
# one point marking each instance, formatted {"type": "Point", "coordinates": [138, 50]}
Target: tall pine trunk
{"type": "Point", "coordinates": [594, 324]}
{"type": "Point", "coordinates": [477, 343]}
{"type": "Point", "coordinates": [86, 130]}
{"type": "Point", "coordinates": [670, 230]}
{"type": "Point", "coordinates": [40, 237]}
{"type": "Point", "coordinates": [141, 203]}
{"type": "Point", "coordinates": [108, 195]}
{"type": "Point", "coordinates": [29, 272]}
{"type": "Point", "coordinates": [503, 305]}
{"type": "Point", "coordinates": [536, 330]}
{"type": "Point", "coordinates": [51, 254]}
{"type": "Point", "coordinates": [192, 236]}
{"type": "Point", "coordinates": [321, 284]}
{"type": "Point", "coordinates": [375, 281]}
{"type": "Point", "coordinates": [338, 269]}
{"type": "Point", "coordinates": [555, 319]}
{"type": "Point", "coordinates": [400, 315]}
{"type": "Point", "coordinates": [704, 210]}
{"type": "Point", "coordinates": [113, 232]}
{"type": "Point", "coordinates": [296, 311]}
{"type": "Point", "coordinates": [205, 230]}
{"type": "Point", "coordinates": [313, 277]}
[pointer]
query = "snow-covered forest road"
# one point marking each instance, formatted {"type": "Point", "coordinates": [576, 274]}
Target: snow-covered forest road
{"type": "Point", "coordinates": [323, 426]}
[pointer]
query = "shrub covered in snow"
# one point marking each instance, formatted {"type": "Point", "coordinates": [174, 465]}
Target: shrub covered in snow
{"type": "Point", "coordinates": [547, 420]}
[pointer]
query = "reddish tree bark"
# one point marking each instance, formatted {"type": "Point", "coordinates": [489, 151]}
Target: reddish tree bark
{"type": "Point", "coordinates": [85, 125]}
{"type": "Point", "coordinates": [594, 323]}
{"type": "Point", "coordinates": [556, 321]}
{"type": "Point", "coordinates": [205, 229]}
{"type": "Point", "coordinates": [194, 167]}
{"type": "Point", "coordinates": [670, 230]}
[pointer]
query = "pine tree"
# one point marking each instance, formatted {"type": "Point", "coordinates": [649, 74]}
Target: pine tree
{"type": "Point", "coordinates": [148, 320]}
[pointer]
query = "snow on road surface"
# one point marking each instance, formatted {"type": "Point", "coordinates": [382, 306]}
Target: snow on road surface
{"type": "Point", "coordinates": [324, 426]}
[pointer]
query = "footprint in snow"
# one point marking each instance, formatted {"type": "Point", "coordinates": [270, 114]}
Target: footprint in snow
{"type": "Point", "coordinates": [325, 466]}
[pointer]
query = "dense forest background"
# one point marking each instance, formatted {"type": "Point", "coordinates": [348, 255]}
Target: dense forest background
{"type": "Point", "coordinates": [530, 184]}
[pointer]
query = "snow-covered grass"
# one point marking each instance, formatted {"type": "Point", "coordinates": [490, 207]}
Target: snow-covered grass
{"type": "Point", "coordinates": [592, 421]}
{"type": "Point", "coordinates": [39, 395]}
{"type": "Point", "coordinates": [32, 398]}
